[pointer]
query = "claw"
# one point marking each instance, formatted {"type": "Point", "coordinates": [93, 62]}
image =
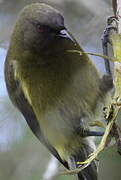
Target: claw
{"type": "Point", "coordinates": [98, 124]}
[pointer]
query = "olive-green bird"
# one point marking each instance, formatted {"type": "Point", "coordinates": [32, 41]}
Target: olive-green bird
{"type": "Point", "coordinates": [57, 91]}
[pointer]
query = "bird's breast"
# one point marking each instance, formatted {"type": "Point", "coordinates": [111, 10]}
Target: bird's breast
{"type": "Point", "coordinates": [60, 96]}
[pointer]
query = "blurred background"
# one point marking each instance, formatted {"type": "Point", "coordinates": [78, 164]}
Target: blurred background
{"type": "Point", "coordinates": [22, 157]}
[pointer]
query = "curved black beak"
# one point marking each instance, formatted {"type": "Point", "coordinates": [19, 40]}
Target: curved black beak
{"type": "Point", "coordinates": [64, 34]}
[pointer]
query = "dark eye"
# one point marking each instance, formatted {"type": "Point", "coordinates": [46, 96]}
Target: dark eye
{"type": "Point", "coordinates": [40, 28]}
{"type": "Point", "coordinates": [46, 29]}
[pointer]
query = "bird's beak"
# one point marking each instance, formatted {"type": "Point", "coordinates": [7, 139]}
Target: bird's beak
{"type": "Point", "coordinates": [64, 34]}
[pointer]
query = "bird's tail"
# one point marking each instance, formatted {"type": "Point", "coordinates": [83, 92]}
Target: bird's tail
{"type": "Point", "coordinates": [90, 172]}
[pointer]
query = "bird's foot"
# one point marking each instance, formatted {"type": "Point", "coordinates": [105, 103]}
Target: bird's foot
{"type": "Point", "coordinates": [97, 124]}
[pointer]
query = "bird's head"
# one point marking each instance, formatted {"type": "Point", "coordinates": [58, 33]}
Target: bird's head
{"type": "Point", "coordinates": [40, 27]}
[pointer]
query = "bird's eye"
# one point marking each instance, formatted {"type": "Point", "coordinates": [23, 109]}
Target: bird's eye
{"type": "Point", "coordinates": [40, 28]}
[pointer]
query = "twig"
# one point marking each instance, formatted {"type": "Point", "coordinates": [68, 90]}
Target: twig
{"type": "Point", "coordinates": [93, 54]}
{"type": "Point", "coordinates": [75, 171]}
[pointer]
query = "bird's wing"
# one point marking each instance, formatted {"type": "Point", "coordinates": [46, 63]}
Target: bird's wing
{"type": "Point", "coordinates": [25, 108]}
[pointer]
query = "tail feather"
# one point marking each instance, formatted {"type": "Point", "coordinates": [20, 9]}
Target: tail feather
{"type": "Point", "coordinates": [90, 172]}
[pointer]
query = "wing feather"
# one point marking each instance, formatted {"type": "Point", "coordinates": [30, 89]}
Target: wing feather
{"type": "Point", "coordinates": [18, 98]}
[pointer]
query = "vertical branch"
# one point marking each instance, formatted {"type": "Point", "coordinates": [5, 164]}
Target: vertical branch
{"type": "Point", "coordinates": [115, 39]}
{"type": "Point", "coordinates": [114, 5]}
{"type": "Point", "coordinates": [118, 12]}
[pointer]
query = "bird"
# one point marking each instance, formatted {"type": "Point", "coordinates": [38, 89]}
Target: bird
{"type": "Point", "coordinates": [58, 91]}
